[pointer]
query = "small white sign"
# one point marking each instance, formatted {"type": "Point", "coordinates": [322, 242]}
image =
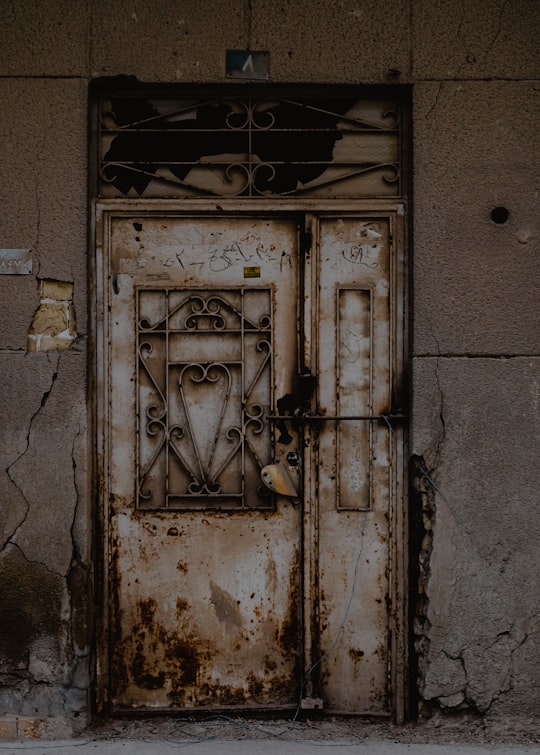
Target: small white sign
{"type": "Point", "coordinates": [15, 262]}
{"type": "Point", "coordinates": [247, 64]}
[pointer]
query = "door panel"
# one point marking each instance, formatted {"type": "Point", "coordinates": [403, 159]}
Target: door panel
{"type": "Point", "coordinates": [205, 568]}
{"type": "Point", "coordinates": [228, 345]}
{"type": "Point", "coordinates": [354, 461]}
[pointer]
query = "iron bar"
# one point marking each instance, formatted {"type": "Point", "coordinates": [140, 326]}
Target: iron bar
{"type": "Point", "coordinates": [334, 418]}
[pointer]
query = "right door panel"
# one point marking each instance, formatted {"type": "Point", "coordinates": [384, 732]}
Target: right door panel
{"type": "Point", "coordinates": [356, 358]}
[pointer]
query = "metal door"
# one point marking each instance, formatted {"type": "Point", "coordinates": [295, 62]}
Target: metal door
{"type": "Point", "coordinates": [237, 348]}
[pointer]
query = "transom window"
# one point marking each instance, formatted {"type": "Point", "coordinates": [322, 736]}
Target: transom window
{"type": "Point", "coordinates": [254, 146]}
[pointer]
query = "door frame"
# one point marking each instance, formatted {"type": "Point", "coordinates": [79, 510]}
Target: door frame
{"type": "Point", "coordinates": [100, 279]}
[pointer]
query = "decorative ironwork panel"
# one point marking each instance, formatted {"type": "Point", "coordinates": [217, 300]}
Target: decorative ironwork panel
{"type": "Point", "coordinates": [204, 391]}
{"type": "Point", "coordinates": [249, 147]}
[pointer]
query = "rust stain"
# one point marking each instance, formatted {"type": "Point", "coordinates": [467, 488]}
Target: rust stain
{"type": "Point", "coordinates": [255, 686]}
{"type": "Point", "coordinates": [118, 667]}
{"type": "Point", "coordinates": [184, 663]}
{"type": "Point", "coordinates": [290, 638]}
{"type": "Point", "coordinates": [150, 646]}
{"type": "Point", "coordinates": [181, 606]}
{"type": "Point", "coordinates": [226, 607]}
{"type": "Point", "coordinates": [271, 576]}
{"type": "Point", "coordinates": [147, 610]}
{"type": "Point", "coordinates": [222, 694]}
{"type": "Point", "coordinates": [356, 655]}
{"type": "Point", "coordinates": [143, 678]}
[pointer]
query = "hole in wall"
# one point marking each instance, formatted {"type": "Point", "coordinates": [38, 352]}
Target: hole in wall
{"type": "Point", "coordinates": [499, 215]}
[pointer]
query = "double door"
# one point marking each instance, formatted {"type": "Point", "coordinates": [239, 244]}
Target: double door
{"type": "Point", "coordinates": [250, 460]}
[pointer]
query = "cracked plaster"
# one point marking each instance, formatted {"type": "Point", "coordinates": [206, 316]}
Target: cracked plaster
{"type": "Point", "coordinates": [45, 616]}
{"type": "Point", "coordinates": [43, 473]}
{"type": "Point", "coordinates": [479, 624]}
{"type": "Point", "coordinates": [27, 380]}
{"type": "Point", "coordinates": [475, 40]}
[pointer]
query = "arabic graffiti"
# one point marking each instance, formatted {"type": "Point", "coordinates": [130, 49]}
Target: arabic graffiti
{"type": "Point", "coordinates": [367, 247]}
{"type": "Point", "coordinates": [218, 258]}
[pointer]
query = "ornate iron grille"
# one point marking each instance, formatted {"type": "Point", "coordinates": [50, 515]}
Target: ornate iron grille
{"type": "Point", "coordinates": [204, 390]}
{"type": "Point", "coordinates": [249, 147]}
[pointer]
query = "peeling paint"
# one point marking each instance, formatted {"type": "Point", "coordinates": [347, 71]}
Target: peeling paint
{"type": "Point", "coordinates": [422, 521]}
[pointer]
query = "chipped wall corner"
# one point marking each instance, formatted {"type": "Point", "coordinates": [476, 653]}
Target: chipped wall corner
{"type": "Point", "coordinates": [422, 523]}
{"type": "Point", "coordinates": [53, 326]}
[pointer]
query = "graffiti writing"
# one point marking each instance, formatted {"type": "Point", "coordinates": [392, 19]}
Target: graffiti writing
{"type": "Point", "coordinates": [352, 346]}
{"type": "Point", "coordinates": [362, 254]}
{"type": "Point", "coordinates": [222, 259]}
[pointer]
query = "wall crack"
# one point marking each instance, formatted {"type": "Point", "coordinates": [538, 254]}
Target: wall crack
{"type": "Point", "coordinates": [33, 418]}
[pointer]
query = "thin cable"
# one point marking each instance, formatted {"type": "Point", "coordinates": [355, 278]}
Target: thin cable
{"type": "Point", "coordinates": [430, 480]}
{"type": "Point", "coordinates": [55, 746]}
{"type": "Point", "coordinates": [268, 734]}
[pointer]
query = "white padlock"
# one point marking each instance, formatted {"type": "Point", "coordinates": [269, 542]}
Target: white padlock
{"type": "Point", "coordinates": [277, 479]}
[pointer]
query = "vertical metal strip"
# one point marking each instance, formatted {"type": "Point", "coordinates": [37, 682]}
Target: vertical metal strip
{"type": "Point", "coordinates": [102, 279]}
{"type": "Point", "coordinates": [370, 492]}
{"type": "Point", "coordinates": [398, 488]}
{"type": "Point", "coordinates": [308, 307]}
{"type": "Point", "coordinates": [243, 405]}
{"type": "Point", "coordinates": [167, 405]}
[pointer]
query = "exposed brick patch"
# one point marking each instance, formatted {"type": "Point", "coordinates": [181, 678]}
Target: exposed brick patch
{"type": "Point", "coordinates": [53, 327]}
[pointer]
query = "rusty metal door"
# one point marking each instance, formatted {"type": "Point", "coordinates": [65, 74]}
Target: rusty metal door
{"type": "Point", "coordinates": [249, 459]}
{"type": "Point", "coordinates": [359, 465]}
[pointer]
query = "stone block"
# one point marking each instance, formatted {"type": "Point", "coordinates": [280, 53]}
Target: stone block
{"type": "Point", "coordinates": [44, 38]}
{"type": "Point", "coordinates": [57, 290]}
{"type": "Point", "coordinates": [49, 319]}
{"type": "Point", "coordinates": [53, 327]}
{"type": "Point", "coordinates": [8, 728]}
{"type": "Point", "coordinates": [345, 42]}
{"type": "Point", "coordinates": [477, 146]}
{"type": "Point", "coordinates": [54, 727]}
{"type": "Point", "coordinates": [487, 39]}
{"type": "Point", "coordinates": [319, 41]}
{"type": "Point", "coordinates": [159, 42]}
{"type": "Point", "coordinates": [43, 128]}
{"type": "Point", "coordinates": [477, 425]}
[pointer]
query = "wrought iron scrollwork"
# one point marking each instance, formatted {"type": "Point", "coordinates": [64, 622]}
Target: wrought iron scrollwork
{"type": "Point", "coordinates": [202, 433]}
{"type": "Point", "coordinates": [249, 147]}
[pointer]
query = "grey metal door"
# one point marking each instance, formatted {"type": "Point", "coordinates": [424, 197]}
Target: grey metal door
{"type": "Point", "coordinates": [232, 345]}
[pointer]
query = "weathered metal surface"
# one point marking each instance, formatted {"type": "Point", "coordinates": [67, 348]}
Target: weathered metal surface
{"type": "Point", "coordinates": [354, 461]}
{"type": "Point", "coordinates": [207, 608]}
{"type": "Point", "coordinates": [219, 596]}
{"type": "Point", "coordinates": [204, 386]}
{"type": "Point", "coordinates": [249, 146]}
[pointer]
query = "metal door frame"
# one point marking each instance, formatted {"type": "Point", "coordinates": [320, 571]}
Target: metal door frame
{"type": "Point", "coordinates": [103, 210]}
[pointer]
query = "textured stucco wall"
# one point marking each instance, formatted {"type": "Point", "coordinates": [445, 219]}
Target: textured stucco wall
{"type": "Point", "coordinates": [476, 386]}
{"type": "Point", "coordinates": [475, 352]}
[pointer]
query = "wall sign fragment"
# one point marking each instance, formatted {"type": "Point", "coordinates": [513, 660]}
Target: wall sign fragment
{"type": "Point", "coordinates": [15, 262]}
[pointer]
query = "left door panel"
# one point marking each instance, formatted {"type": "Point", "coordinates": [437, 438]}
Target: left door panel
{"type": "Point", "coordinates": [203, 587]}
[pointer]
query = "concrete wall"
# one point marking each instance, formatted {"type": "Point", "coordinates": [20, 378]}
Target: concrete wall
{"type": "Point", "coordinates": [475, 71]}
